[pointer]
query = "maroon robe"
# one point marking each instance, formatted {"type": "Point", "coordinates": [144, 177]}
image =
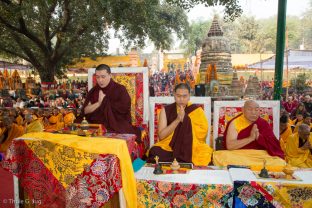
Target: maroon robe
{"type": "Point", "coordinates": [266, 140]}
{"type": "Point", "coordinates": [182, 139]}
{"type": "Point", "coordinates": [114, 111]}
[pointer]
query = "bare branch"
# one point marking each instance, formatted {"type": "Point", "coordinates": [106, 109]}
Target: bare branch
{"type": "Point", "coordinates": [28, 52]}
{"type": "Point", "coordinates": [35, 39]}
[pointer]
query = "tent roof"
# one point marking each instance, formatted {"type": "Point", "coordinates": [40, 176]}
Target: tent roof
{"type": "Point", "coordinates": [8, 65]}
{"type": "Point", "coordinates": [296, 59]}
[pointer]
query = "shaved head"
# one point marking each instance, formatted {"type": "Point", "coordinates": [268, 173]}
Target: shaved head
{"type": "Point", "coordinates": [304, 131]}
{"type": "Point", "coordinates": [304, 128]}
{"type": "Point", "coordinates": [251, 110]}
{"type": "Point", "coordinates": [251, 103]}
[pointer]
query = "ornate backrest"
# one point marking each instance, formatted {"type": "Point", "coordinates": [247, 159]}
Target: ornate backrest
{"type": "Point", "coordinates": [156, 104]}
{"type": "Point", "coordinates": [224, 111]}
{"type": "Point", "coordinates": [135, 79]}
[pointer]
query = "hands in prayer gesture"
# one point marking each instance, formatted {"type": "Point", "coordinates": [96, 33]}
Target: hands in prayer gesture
{"type": "Point", "coordinates": [181, 113]}
{"type": "Point", "coordinates": [254, 134]}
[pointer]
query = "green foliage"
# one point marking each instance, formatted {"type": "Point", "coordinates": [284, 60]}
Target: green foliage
{"type": "Point", "coordinates": [51, 33]}
{"type": "Point", "coordinates": [231, 7]}
{"type": "Point", "coordinates": [197, 33]}
{"type": "Point", "coordinates": [300, 82]}
{"type": "Point", "coordinates": [307, 27]}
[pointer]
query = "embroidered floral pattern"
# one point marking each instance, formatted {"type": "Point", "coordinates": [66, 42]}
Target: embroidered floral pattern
{"type": "Point", "coordinates": [271, 194]}
{"type": "Point", "coordinates": [166, 194]}
{"type": "Point", "coordinates": [57, 186]}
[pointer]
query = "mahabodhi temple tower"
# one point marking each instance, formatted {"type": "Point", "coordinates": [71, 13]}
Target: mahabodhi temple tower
{"type": "Point", "coordinates": [216, 50]}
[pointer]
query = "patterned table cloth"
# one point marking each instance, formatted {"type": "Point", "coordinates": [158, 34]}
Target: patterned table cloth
{"type": "Point", "coordinates": [250, 191]}
{"type": "Point", "coordinates": [58, 175]}
{"type": "Point", "coordinates": [271, 194]}
{"type": "Point", "coordinates": [194, 189]}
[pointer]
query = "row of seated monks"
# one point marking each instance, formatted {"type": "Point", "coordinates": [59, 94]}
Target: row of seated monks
{"type": "Point", "coordinates": [295, 139]}
{"type": "Point", "coordinates": [183, 127]}
{"type": "Point", "coordinates": [16, 122]}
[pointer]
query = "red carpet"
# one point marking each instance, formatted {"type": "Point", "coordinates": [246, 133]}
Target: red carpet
{"type": "Point", "coordinates": [7, 189]}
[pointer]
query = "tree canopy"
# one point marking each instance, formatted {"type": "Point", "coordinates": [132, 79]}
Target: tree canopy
{"type": "Point", "coordinates": [51, 33]}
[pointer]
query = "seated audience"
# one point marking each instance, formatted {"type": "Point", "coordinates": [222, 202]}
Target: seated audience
{"type": "Point", "coordinates": [299, 148]}
{"type": "Point", "coordinates": [297, 122]}
{"type": "Point", "coordinates": [9, 131]}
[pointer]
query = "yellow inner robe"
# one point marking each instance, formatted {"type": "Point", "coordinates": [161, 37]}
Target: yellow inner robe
{"type": "Point", "coordinates": [284, 136]}
{"type": "Point", "coordinates": [296, 156]}
{"type": "Point", "coordinates": [248, 157]}
{"type": "Point", "coordinates": [201, 152]}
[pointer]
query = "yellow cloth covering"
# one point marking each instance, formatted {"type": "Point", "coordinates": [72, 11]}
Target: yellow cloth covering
{"type": "Point", "coordinates": [69, 118]}
{"type": "Point", "coordinates": [297, 156]}
{"type": "Point", "coordinates": [14, 132]}
{"type": "Point", "coordinates": [248, 157]}
{"type": "Point", "coordinates": [99, 146]}
{"type": "Point", "coordinates": [284, 136]}
{"type": "Point", "coordinates": [201, 152]}
{"type": "Point", "coordinates": [34, 126]}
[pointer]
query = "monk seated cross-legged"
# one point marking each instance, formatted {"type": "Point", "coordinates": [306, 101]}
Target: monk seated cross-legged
{"type": "Point", "coordinates": [251, 141]}
{"type": "Point", "coordinates": [299, 148]}
{"type": "Point", "coordinates": [182, 131]}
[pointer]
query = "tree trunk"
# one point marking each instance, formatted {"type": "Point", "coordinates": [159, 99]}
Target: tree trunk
{"type": "Point", "coordinates": [47, 77]}
{"type": "Point", "coordinates": [47, 74]}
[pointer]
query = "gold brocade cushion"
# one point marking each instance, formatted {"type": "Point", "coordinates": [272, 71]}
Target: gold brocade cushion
{"type": "Point", "coordinates": [129, 82]}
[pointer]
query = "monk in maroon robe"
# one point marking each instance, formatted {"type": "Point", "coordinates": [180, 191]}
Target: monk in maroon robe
{"type": "Point", "coordinates": [182, 131]}
{"type": "Point", "coordinates": [109, 103]}
{"type": "Point", "coordinates": [249, 131]}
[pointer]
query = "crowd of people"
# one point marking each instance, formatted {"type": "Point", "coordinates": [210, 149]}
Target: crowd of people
{"type": "Point", "coordinates": [162, 83]}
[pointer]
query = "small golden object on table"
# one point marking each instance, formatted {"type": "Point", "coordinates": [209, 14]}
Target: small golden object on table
{"type": "Point", "coordinates": [81, 132]}
{"type": "Point", "coordinates": [84, 124]}
{"type": "Point", "coordinates": [175, 165]}
{"type": "Point", "coordinates": [264, 172]}
{"type": "Point", "coordinates": [157, 169]}
{"type": "Point", "coordinates": [288, 170]}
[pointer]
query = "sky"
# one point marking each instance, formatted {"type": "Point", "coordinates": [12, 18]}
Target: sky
{"type": "Point", "coordinates": [260, 9]}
